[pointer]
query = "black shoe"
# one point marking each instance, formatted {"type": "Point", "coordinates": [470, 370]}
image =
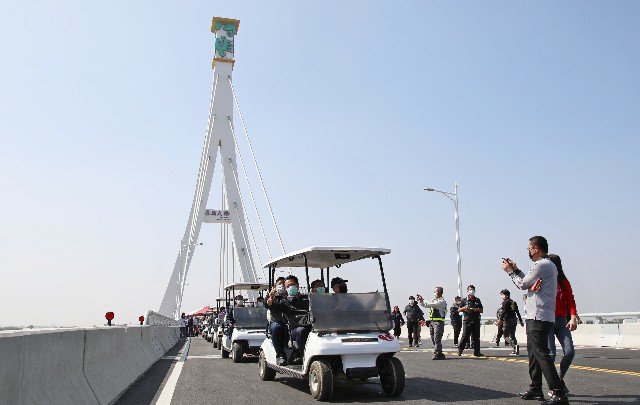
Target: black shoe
{"type": "Point", "coordinates": [532, 394]}
{"type": "Point", "coordinates": [478, 355]}
{"type": "Point", "coordinates": [410, 344]}
{"type": "Point", "coordinates": [438, 356]}
{"type": "Point", "coordinates": [557, 398]}
{"type": "Point", "coordinates": [459, 354]}
{"type": "Point", "coordinates": [296, 360]}
{"type": "Point", "coordinates": [498, 343]}
{"type": "Point", "coordinates": [282, 361]}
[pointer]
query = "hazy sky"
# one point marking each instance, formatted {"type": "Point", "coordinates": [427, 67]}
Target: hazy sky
{"type": "Point", "coordinates": [353, 108]}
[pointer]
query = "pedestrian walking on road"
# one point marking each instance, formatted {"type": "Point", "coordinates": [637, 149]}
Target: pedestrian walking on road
{"type": "Point", "coordinates": [456, 320]}
{"type": "Point", "coordinates": [398, 321]}
{"type": "Point", "coordinates": [437, 311]}
{"type": "Point", "coordinates": [472, 308]}
{"type": "Point", "coordinates": [413, 314]}
{"type": "Point", "coordinates": [182, 323]}
{"type": "Point", "coordinates": [508, 320]}
{"type": "Point", "coordinates": [541, 282]}
{"type": "Point", "coordinates": [565, 308]}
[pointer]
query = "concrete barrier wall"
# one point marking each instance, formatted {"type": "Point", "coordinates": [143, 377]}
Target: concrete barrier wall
{"type": "Point", "coordinates": [77, 366]}
{"type": "Point", "coordinates": [620, 336]}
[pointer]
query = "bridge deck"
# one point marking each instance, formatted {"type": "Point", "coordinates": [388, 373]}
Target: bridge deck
{"type": "Point", "coordinates": [598, 376]}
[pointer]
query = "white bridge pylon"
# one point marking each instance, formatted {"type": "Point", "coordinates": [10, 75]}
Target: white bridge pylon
{"type": "Point", "coordinates": [220, 137]}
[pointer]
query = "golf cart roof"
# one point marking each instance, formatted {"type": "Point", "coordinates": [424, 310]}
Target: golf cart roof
{"type": "Point", "coordinates": [325, 256]}
{"type": "Point", "coordinates": [247, 286]}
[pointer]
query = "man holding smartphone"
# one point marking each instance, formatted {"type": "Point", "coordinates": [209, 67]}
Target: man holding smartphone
{"type": "Point", "coordinates": [540, 309]}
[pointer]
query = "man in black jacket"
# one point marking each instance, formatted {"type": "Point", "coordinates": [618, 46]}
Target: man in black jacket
{"type": "Point", "coordinates": [413, 314]}
{"type": "Point", "coordinates": [507, 320]}
{"type": "Point", "coordinates": [456, 320]}
{"type": "Point", "coordinates": [472, 308]}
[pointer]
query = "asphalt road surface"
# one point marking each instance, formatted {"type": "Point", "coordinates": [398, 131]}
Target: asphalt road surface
{"type": "Point", "coordinates": [193, 373]}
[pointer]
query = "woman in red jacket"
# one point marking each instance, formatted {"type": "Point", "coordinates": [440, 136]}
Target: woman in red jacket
{"type": "Point", "coordinates": [566, 320]}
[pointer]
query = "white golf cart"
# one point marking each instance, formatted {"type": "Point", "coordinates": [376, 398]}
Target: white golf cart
{"type": "Point", "coordinates": [349, 339]}
{"type": "Point", "coordinates": [249, 324]}
{"type": "Point", "coordinates": [215, 335]}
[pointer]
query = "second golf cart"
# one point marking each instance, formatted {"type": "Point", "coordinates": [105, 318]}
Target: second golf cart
{"type": "Point", "coordinates": [245, 326]}
{"type": "Point", "coordinates": [349, 338]}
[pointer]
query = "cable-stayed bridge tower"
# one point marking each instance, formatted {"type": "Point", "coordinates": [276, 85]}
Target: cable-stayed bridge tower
{"type": "Point", "coordinates": [220, 138]}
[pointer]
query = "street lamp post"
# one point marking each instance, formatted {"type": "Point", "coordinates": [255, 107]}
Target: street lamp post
{"type": "Point", "coordinates": [454, 197]}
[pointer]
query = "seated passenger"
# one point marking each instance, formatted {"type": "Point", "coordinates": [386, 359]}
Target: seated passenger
{"type": "Point", "coordinates": [276, 308]}
{"type": "Point", "coordinates": [298, 311]}
{"type": "Point", "coordinates": [260, 302]}
{"type": "Point", "coordinates": [238, 303]}
{"type": "Point", "coordinates": [339, 285]}
{"type": "Point", "coordinates": [318, 287]}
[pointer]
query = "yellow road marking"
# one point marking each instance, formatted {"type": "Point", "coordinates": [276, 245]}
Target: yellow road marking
{"type": "Point", "coordinates": [512, 360]}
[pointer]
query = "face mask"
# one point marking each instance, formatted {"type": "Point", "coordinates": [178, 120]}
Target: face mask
{"type": "Point", "coordinates": [320, 290]}
{"type": "Point", "coordinates": [280, 289]}
{"type": "Point", "coordinates": [342, 288]}
{"type": "Point", "coordinates": [411, 302]}
{"type": "Point", "coordinates": [292, 290]}
{"type": "Point", "coordinates": [435, 295]}
{"type": "Point", "coordinates": [530, 255]}
{"type": "Point", "coordinates": [472, 292]}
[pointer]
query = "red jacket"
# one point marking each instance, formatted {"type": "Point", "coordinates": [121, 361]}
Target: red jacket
{"type": "Point", "coordinates": [565, 302]}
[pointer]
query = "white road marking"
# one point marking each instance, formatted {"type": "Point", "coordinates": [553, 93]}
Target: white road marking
{"type": "Point", "coordinates": [167, 392]}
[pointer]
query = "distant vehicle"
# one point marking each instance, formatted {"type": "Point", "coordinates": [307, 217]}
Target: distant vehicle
{"type": "Point", "coordinates": [249, 328]}
{"type": "Point", "coordinates": [350, 338]}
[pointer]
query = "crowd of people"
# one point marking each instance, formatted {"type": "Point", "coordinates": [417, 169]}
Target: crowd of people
{"type": "Point", "coordinates": [549, 314]}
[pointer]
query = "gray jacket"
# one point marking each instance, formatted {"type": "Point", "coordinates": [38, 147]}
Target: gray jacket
{"type": "Point", "coordinates": [541, 283]}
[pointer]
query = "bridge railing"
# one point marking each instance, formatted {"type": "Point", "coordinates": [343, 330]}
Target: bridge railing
{"type": "Point", "coordinates": [155, 319]}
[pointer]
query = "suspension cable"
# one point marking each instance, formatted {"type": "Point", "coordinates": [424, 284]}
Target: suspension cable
{"type": "Point", "coordinates": [255, 206]}
{"type": "Point", "coordinates": [253, 270]}
{"type": "Point", "coordinates": [264, 190]}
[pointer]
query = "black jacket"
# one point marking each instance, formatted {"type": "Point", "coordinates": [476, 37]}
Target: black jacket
{"type": "Point", "coordinates": [471, 316]}
{"type": "Point", "coordinates": [398, 320]}
{"type": "Point", "coordinates": [293, 309]}
{"type": "Point", "coordinates": [454, 315]}
{"type": "Point", "coordinates": [413, 313]}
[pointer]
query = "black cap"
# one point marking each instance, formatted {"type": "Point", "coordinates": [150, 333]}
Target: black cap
{"type": "Point", "coordinates": [337, 280]}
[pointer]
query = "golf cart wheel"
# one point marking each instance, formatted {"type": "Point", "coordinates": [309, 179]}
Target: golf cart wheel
{"type": "Point", "coordinates": [224, 354]}
{"type": "Point", "coordinates": [320, 380]}
{"type": "Point", "coordinates": [266, 373]}
{"type": "Point", "coordinates": [237, 352]}
{"type": "Point", "coordinates": [391, 375]}
{"type": "Point", "coordinates": [219, 343]}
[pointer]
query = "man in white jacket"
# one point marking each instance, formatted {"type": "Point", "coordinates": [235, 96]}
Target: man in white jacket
{"type": "Point", "coordinates": [437, 310]}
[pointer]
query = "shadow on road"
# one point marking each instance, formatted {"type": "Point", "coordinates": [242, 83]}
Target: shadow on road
{"type": "Point", "coordinates": [148, 385]}
{"type": "Point", "coordinates": [416, 389]}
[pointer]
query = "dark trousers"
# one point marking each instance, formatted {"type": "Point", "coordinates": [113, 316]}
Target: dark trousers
{"type": "Point", "coordinates": [412, 327]}
{"type": "Point", "coordinates": [470, 330]}
{"type": "Point", "coordinates": [277, 331]}
{"type": "Point", "coordinates": [457, 326]}
{"type": "Point", "coordinates": [183, 332]}
{"type": "Point", "coordinates": [510, 330]}
{"type": "Point", "coordinates": [300, 335]}
{"type": "Point", "coordinates": [540, 362]}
